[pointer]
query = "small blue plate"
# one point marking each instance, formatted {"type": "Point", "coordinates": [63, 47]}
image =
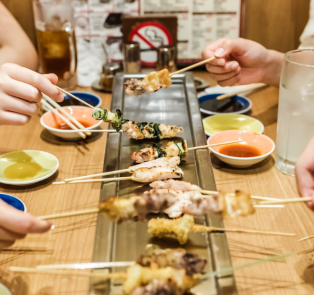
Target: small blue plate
{"type": "Point", "coordinates": [90, 98]}
{"type": "Point", "coordinates": [233, 105]}
{"type": "Point", "coordinates": [13, 201]}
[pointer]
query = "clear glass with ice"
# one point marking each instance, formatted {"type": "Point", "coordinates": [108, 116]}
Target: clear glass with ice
{"type": "Point", "coordinates": [296, 108]}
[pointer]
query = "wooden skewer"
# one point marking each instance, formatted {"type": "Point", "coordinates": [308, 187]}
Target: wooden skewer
{"type": "Point", "coordinates": [305, 238]}
{"type": "Point", "coordinates": [88, 265]}
{"type": "Point", "coordinates": [69, 214]}
{"type": "Point", "coordinates": [57, 106]}
{"type": "Point", "coordinates": [75, 97]}
{"type": "Point", "coordinates": [199, 228]}
{"type": "Point", "coordinates": [214, 144]}
{"type": "Point", "coordinates": [243, 89]}
{"type": "Point", "coordinates": [95, 180]}
{"type": "Point", "coordinates": [116, 275]}
{"type": "Point", "coordinates": [192, 66]}
{"type": "Point", "coordinates": [287, 201]}
{"type": "Point", "coordinates": [62, 118]}
{"type": "Point", "coordinates": [99, 174]}
{"type": "Point", "coordinates": [127, 170]}
{"type": "Point", "coordinates": [96, 130]}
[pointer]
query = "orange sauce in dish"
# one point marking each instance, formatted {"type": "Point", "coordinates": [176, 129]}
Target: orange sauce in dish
{"type": "Point", "coordinates": [64, 126]}
{"type": "Point", "coordinates": [240, 150]}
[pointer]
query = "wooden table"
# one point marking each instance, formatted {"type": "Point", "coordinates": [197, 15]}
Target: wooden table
{"type": "Point", "coordinates": [72, 239]}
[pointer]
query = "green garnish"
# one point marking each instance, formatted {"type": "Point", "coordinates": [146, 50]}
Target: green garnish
{"type": "Point", "coordinates": [161, 152]}
{"type": "Point", "coordinates": [100, 114]}
{"type": "Point", "coordinates": [118, 121]}
{"type": "Point", "coordinates": [179, 146]}
{"type": "Point", "coordinates": [152, 128]}
{"type": "Point", "coordinates": [185, 149]}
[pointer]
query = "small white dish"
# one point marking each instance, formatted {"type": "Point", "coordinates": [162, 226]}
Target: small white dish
{"type": "Point", "coordinates": [27, 166]}
{"type": "Point", "coordinates": [83, 114]}
{"type": "Point", "coordinates": [252, 139]}
{"type": "Point", "coordinates": [4, 290]}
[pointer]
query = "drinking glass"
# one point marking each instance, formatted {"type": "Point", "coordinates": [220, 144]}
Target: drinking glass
{"type": "Point", "coordinates": [296, 108]}
{"type": "Point", "coordinates": [56, 40]}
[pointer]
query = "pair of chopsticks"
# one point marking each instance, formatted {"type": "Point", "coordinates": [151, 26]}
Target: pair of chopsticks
{"type": "Point", "coordinates": [75, 125]}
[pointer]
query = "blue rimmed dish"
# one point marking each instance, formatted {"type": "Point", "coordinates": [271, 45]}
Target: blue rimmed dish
{"type": "Point", "coordinates": [13, 201]}
{"type": "Point", "coordinates": [232, 105]}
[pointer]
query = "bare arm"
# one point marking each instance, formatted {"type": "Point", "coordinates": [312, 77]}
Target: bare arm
{"type": "Point", "coordinates": [15, 47]}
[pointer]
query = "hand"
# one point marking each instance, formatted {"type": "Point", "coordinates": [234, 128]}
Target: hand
{"type": "Point", "coordinates": [305, 173]}
{"type": "Point", "coordinates": [20, 92]}
{"type": "Point", "coordinates": [240, 61]}
{"type": "Point", "coordinates": [15, 224]}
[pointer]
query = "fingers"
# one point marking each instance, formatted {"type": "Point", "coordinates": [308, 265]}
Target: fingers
{"type": "Point", "coordinates": [6, 244]}
{"type": "Point", "coordinates": [14, 119]}
{"type": "Point", "coordinates": [42, 83]}
{"type": "Point", "coordinates": [16, 105]}
{"type": "Point", "coordinates": [230, 82]}
{"type": "Point", "coordinates": [236, 46]}
{"type": "Point", "coordinates": [7, 235]}
{"type": "Point", "coordinates": [20, 222]}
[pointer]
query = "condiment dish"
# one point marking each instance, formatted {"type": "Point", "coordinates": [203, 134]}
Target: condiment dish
{"type": "Point", "coordinates": [222, 122]}
{"type": "Point", "coordinates": [82, 114]}
{"type": "Point", "coordinates": [90, 98]}
{"type": "Point", "coordinates": [252, 141]}
{"type": "Point", "coordinates": [14, 202]}
{"type": "Point", "coordinates": [4, 290]}
{"type": "Point", "coordinates": [27, 167]}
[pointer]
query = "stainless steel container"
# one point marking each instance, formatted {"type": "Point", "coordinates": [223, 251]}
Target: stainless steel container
{"type": "Point", "coordinates": [167, 58]}
{"type": "Point", "coordinates": [176, 105]}
{"type": "Point", "coordinates": [132, 57]}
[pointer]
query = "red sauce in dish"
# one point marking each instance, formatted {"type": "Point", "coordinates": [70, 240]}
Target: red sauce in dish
{"type": "Point", "coordinates": [240, 150]}
{"type": "Point", "coordinates": [64, 126]}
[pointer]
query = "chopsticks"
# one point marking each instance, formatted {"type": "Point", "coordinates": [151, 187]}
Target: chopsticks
{"type": "Point", "coordinates": [50, 107]}
{"type": "Point", "coordinates": [75, 97]}
{"type": "Point", "coordinates": [192, 66]}
{"type": "Point", "coordinates": [241, 90]}
{"type": "Point", "coordinates": [57, 106]}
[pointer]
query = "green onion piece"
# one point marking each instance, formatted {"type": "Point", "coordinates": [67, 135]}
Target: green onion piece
{"type": "Point", "coordinates": [118, 121]}
{"type": "Point", "coordinates": [185, 149]}
{"type": "Point", "coordinates": [161, 152]}
{"type": "Point", "coordinates": [179, 146]}
{"type": "Point", "coordinates": [100, 114]}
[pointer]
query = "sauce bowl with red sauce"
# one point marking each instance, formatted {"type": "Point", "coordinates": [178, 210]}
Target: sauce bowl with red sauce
{"type": "Point", "coordinates": [253, 149]}
{"type": "Point", "coordinates": [57, 127]}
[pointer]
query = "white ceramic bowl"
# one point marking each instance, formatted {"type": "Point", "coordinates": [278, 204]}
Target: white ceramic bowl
{"type": "Point", "coordinates": [83, 114]}
{"type": "Point", "coordinates": [259, 141]}
{"type": "Point", "coordinates": [4, 290]}
{"type": "Point", "coordinates": [48, 162]}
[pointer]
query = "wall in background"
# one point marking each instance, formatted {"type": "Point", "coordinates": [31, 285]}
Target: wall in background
{"type": "Point", "coordinates": [276, 24]}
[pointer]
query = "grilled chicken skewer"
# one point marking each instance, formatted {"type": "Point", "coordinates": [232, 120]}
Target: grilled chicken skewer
{"type": "Point", "coordinates": [173, 149]}
{"type": "Point", "coordinates": [180, 228]}
{"type": "Point", "coordinates": [160, 162]}
{"type": "Point", "coordinates": [138, 130]}
{"type": "Point", "coordinates": [152, 82]}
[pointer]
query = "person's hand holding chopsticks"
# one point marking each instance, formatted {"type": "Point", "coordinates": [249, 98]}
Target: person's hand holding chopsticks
{"type": "Point", "coordinates": [240, 61]}
{"type": "Point", "coordinates": [20, 92]}
{"type": "Point", "coordinates": [15, 225]}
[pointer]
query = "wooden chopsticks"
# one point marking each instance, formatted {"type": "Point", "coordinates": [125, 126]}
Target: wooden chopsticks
{"type": "Point", "coordinates": [241, 90]}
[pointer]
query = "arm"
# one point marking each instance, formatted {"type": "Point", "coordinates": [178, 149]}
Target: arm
{"type": "Point", "coordinates": [305, 173]}
{"type": "Point", "coordinates": [15, 47]}
{"type": "Point", "coordinates": [242, 61]}
{"type": "Point", "coordinates": [15, 225]}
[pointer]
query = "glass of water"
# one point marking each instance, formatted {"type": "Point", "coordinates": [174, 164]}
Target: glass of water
{"type": "Point", "coordinates": [296, 108]}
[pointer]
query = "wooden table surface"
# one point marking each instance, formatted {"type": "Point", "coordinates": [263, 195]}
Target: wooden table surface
{"type": "Point", "coordinates": [72, 239]}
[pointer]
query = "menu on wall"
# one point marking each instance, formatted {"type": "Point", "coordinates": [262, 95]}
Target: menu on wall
{"type": "Point", "coordinates": [98, 28]}
{"type": "Point", "coordinates": [200, 22]}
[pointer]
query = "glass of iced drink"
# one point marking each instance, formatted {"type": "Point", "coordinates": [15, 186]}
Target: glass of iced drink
{"type": "Point", "coordinates": [56, 40]}
{"type": "Point", "coordinates": [296, 108]}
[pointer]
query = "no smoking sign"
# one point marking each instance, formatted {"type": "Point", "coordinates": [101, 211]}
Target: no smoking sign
{"type": "Point", "coordinates": [150, 35]}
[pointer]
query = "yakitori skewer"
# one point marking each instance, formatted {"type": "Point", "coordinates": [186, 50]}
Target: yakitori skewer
{"type": "Point", "coordinates": [167, 162]}
{"type": "Point", "coordinates": [172, 149]}
{"type": "Point", "coordinates": [154, 81]}
{"type": "Point", "coordinates": [180, 228]}
{"type": "Point", "coordinates": [305, 238]}
{"type": "Point", "coordinates": [241, 90]}
{"type": "Point", "coordinates": [57, 106]}
{"type": "Point", "coordinates": [176, 258]}
{"type": "Point", "coordinates": [142, 280]}
{"type": "Point", "coordinates": [158, 201]}
{"type": "Point", "coordinates": [286, 201]}
{"type": "Point", "coordinates": [65, 120]}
